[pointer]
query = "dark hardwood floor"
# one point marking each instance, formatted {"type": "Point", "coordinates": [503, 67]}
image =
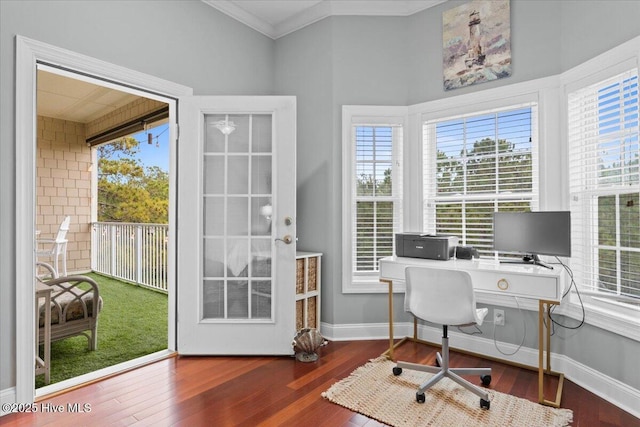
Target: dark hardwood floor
{"type": "Point", "coordinates": [269, 391]}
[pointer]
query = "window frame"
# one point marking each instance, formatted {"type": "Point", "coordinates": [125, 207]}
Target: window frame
{"type": "Point", "coordinates": [432, 198]}
{"type": "Point", "coordinates": [552, 193]}
{"type": "Point", "coordinates": [602, 311]}
{"type": "Point", "coordinates": [353, 115]}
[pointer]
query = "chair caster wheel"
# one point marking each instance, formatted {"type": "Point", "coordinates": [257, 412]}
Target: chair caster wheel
{"type": "Point", "coordinates": [397, 371]}
{"type": "Point", "coordinates": [486, 379]}
{"type": "Point", "coordinates": [484, 404]}
{"type": "Point", "coordinates": [420, 397]}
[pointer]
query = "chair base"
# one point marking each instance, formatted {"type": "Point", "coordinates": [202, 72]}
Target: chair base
{"type": "Point", "coordinates": [445, 372]}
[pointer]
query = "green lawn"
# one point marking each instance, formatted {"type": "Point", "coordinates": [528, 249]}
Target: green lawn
{"type": "Point", "coordinates": [132, 323]}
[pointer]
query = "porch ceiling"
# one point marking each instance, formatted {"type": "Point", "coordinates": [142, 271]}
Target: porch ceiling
{"type": "Point", "coordinates": [64, 98]}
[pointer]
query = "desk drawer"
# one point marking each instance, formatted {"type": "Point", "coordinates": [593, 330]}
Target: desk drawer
{"type": "Point", "coordinates": [524, 285]}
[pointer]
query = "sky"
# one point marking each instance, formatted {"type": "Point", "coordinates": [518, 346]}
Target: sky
{"type": "Point", "coordinates": [157, 153]}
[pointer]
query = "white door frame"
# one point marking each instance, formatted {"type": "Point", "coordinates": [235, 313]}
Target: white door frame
{"type": "Point", "coordinates": [28, 53]}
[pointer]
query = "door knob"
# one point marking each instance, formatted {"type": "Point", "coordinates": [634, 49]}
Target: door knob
{"type": "Point", "coordinates": [287, 239]}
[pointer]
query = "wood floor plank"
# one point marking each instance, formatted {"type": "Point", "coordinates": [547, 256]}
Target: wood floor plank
{"type": "Point", "coordinates": [274, 391]}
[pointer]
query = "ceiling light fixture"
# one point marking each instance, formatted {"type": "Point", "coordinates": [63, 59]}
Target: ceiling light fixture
{"type": "Point", "coordinates": [225, 126]}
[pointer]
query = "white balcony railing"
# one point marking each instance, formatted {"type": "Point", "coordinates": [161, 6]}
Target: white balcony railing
{"type": "Point", "coordinates": [133, 252]}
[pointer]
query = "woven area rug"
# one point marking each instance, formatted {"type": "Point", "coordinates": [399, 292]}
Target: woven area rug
{"type": "Point", "coordinates": [374, 391]}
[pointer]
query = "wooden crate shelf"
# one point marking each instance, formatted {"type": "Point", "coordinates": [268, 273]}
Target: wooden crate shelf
{"type": "Point", "coordinates": [308, 267]}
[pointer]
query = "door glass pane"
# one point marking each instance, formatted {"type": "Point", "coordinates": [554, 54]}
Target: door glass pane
{"type": "Point", "coordinates": [214, 174]}
{"type": "Point", "coordinates": [213, 141]}
{"type": "Point", "coordinates": [238, 175]}
{"type": "Point", "coordinates": [237, 257]}
{"type": "Point", "coordinates": [213, 299]}
{"type": "Point", "coordinates": [261, 258]}
{"type": "Point", "coordinates": [213, 216]}
{"type": "Point", "coordinates": [261, 134]}
{"type": "Point", "coordinates": [236, 218]}
{"type": "Point", "coordinates": [239, 138]}
{"type": "Point", "coordinates": [261, 174]}
{"type": "Point", "coordinates": [213, 258]}
{"type": "Point", "coordinates": [238, 299]}
{"type": "Point", "coordinates": [260, 299]}
{"type": "Point", "coordinates": [261, 211]}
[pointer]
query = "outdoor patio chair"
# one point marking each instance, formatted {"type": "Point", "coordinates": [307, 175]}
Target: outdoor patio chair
{"type": "Point", "coordinates": [53, 248]}
{"type": "Point", "coordinates": [75, 306]}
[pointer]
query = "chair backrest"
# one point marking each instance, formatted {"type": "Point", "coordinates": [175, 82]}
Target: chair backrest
{"type": "Point", "coordinates": [441, 296]}
{"type": "Point", "coordinates": [45, 271]}
{"type": "Point", "coordinates": [62, 231]}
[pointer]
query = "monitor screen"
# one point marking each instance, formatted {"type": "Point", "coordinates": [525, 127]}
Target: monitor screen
{"type": "Point", "coordinates": [533, 233]}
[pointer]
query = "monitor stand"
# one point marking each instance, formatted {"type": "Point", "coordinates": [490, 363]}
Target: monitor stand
{"type": "Point", "coordinates": [528, 259]}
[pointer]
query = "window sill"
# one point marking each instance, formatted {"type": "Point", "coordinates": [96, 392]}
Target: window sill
{"type": "Point", "coordinates": [606, 314]}
{"type": "Point", "coordinates": [370, 285]}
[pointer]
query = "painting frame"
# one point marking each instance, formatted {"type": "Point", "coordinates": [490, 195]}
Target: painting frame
{"type": "Point", "coordinates": [476, 43]}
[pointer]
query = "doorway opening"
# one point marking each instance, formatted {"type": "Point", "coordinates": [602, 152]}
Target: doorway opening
{"type": "Point", "coordinates": [32, 55]}
{"type": "Point", "coordinates": [112, 189]}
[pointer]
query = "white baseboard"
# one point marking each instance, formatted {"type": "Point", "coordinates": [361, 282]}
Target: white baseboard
{"type": "Point", "coordinates": [618, 393]}
{"type": "Point", "coordinates": [7, 396]}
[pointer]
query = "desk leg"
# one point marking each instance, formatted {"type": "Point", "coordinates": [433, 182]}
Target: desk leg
{"type": "Point", "coordinates": [390, 351]}
{"type": "Point", "coordinates": [544, 342]}
{"type": "Point", "coordinates": [392, 344]}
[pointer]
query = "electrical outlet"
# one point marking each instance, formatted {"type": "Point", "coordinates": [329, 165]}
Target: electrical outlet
{"type": "Point", "coordinates": [498, 317]}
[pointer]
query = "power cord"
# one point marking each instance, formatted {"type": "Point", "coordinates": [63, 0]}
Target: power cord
{"type": "Point", "coordinates": [554, 322]}
{"type": "Point", "coordinates": [572, 284]}
{"type": "Point", "coordinates": [477, 330]}
{"type": "Point", "coordinates": [524, 333]}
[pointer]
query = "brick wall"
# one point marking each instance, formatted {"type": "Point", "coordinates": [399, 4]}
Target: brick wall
{"type": "Point", "coordinates": [63, 183]}
{"type": "Point", "coordinates": [63, 180]}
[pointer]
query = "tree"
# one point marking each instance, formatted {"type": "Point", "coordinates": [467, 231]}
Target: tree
{"type": "Point", "coordinates": [485, 168]}
{"type": "Point", "coordinates": [127, 191]}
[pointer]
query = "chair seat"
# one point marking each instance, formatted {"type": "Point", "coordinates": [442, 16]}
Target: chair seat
{"type": "Point", "coordinates": [72, 303]}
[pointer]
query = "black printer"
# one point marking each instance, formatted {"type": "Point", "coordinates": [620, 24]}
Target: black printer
{"type": "Point", "coordinates": [427, 246]}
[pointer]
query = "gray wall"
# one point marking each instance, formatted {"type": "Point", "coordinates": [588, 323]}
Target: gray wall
{"type": "Point", "coordinates": [187, 42]}
{"type": "Point", "coordinates": [336, 61]}
{"type": "Point", "coordinates": [535, 48]}
{"type": "Point", "coordinates": [397, 61]}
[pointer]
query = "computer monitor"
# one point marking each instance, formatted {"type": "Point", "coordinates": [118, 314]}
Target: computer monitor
{"type": "Point", "coordinates": [532, 234]}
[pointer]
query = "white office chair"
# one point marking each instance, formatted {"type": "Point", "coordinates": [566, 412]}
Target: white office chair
{"type": "Point", "coordinates": [53, 248]}
{"type": "Point", "coordinates": [445, 297]}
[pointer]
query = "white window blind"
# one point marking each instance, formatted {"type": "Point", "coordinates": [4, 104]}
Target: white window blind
{"type": "Point", "coordinates": [377, 194]}
{"type": "Point", "coordinates": [475, 165]}
{"type": "Point", "coordinates": [604, 174]}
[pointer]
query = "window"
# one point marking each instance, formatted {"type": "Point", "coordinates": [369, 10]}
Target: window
{"type": "Point", "coordinates": [372, 181]}
{"type": "Point", "coordinates": [604, 158]}
{"type": "Point", "coordinates": [475, 165]}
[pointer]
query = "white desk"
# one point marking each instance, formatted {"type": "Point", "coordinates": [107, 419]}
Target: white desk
{"type": "Point", "coordinates": [525, 281]}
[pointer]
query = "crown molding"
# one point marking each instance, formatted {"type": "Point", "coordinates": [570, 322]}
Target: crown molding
{"type": "Point", "coordinates": [320, 11]}
{"type": "Point", "coordinates": [239, 14]}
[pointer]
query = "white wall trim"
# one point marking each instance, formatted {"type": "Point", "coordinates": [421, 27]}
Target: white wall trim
{"type": "Point", "coordinates": [7, 396]}
{"type": "Point", "coordinates": [319, 11]}
{"type": "Point", "coordinates": [618, 393]}
{"type": "Point", "coordinates": [28, 53]}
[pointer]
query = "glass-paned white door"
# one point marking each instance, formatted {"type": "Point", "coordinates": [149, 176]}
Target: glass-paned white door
{"type": "Point", "coordinates": [236, 228]}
